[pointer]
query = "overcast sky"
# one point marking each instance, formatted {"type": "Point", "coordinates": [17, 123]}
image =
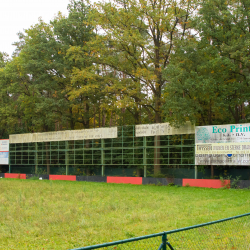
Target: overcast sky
{"type": "Point", "coordinates": [17, 15]}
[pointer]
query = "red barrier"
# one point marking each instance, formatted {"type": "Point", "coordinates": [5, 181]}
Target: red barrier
{"type": "Point", "coordinates": [127, 180]}
{"type": "Point", "coordinates": [63, 177]}
{"type": "Point", "coordinates": [15, 176]}
{"type": "Point", "coordinates": [205, 183]}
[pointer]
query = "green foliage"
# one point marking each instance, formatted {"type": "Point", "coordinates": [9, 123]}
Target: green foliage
{"type": "Point", "coordinates": [151, 61]}
{"type": "Point", "coordinates": [39, 171]}
{"type": "Point", "coordinates": [139, 38]}
{"type": "Point", "coordinates": [171, 184]}
{"type": "Point", "coordinates": [235, 182]}
{"type": "Point", "coordinates": [39, 78]}
{"type": "Point", "coordinates": [209, 73]}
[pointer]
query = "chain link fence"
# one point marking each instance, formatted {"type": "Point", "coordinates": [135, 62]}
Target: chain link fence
{"type": "Point", "coordinates": [229, 233]}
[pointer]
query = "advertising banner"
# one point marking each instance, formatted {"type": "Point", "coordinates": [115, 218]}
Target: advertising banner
{"type": "Point", "coordinates": [67, 135]}
{"type": "Point", "coordinates": [4, 152]}
{"type": "Point", "coordinates": [222, 144]}
{"type": "Point", "coordinates": [163, 129]}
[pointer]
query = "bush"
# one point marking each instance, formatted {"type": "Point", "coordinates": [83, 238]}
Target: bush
{"type": "Point", "coordinates": [171, 184]}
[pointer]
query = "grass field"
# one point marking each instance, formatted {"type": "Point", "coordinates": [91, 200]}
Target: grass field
{"type": "Point", "coordinates": [63, 215]}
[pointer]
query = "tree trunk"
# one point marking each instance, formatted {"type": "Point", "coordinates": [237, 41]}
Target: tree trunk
{"type": "Point", "coordinates": [212, 171]}
{"type": "Point", "coordinates": [94, 116]}
{"type": "Point", "coordinates": [72, 123]}
{"type": "Point", "coordinates": [88, 172]}
{"type": "Point", "coordinates": [138, 172]}
{"type": "Point", "coordinates": [210, 113]}
{"type": "Point", "coordinates": [86, 113]}
{"type": "Point", "coordinates": [137, 117]}
{"type": "Point", "coordinates": [110, 121]}
{"type": "Point", "coordinates": [157, 153]}
{"type": "Point", "coordinates": [99, 117]}
{"type": "Point", "coordinates": [103, 117]}
{"type": "Point", "coordinates": [157, 139]}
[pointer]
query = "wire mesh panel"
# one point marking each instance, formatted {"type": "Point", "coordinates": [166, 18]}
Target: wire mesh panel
{"type": "Point", "coordinates": [230, 233]}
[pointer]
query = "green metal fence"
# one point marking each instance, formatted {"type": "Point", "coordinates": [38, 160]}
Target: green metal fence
{"type": "Point", "coordinates": [126, 155]}
{"type": "Point", "coordinates": [229, 233]}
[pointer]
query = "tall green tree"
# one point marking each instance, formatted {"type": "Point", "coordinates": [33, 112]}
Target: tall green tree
{"type": "Point", "coordinates": [137, 40]}
{"type": "Point", "coordinates": [45, 84]}
{"type": "Point", "coordinates": [40, 77]}
{"type": "Point", "coordinates": [74, 33]}
{"type": "Point", "coordinates": [208, 79]}
{"type": "Point", "coordinates": [8, 112]}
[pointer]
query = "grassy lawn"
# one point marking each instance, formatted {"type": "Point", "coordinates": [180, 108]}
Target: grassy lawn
{"type": "Point", "coordinates": [63, 215]}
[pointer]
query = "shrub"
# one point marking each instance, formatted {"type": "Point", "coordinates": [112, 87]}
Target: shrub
{"type": "Point", "coordinates": [171, 184]}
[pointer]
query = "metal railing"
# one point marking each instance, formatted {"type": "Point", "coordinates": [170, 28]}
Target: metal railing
{"type": "Point", "coordinates": [229, 233]}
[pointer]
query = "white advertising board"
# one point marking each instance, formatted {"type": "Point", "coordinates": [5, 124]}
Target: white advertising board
{"type": "Point", "coordinates": [4, 152]}
{"type": "Point", "coordinates": [67, 135]}
{"type": "Point", "coordinates": [163, 129]}
{"type": "Point", "coordinates": [222, 144]}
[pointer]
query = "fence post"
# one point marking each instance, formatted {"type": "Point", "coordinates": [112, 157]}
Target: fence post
{"type": "Point", "coordinates": [36, 158]}
{"type": "Point", "coordinates": [67, 157]}
{"type": "Point", "coordinates": [145, 155]}
{"type": "Point", "coordinates": [164, 241]}
{"type": "Point", "coordinates": [103, 157]}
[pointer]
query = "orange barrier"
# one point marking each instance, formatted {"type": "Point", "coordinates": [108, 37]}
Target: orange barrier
{"type": "Point", "coordinates": [63, 177]}
{"type": "Point", "coordinates": [15, 176]}
{"type": "Point", "coordinates": [127, 180]}
{"type": "Point", "coordinates": [205, 183]}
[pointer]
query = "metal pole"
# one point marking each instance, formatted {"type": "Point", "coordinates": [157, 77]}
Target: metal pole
{"type": "Point", "coordinates": [168, 150]}
{"type": "Point", "coordinates": [195, 172]}
{"type": "Point", "coordinates": [164, 242]}
{"type": "Point", "coordinates": [82, 152]}
{"type": "Point", "coordinates": [181, 149]}
{"type": "Point", "coordinates": [92, 150]}
{"type": "Point", "coordinates": [103, 157]}
{"type": "Point", "coordinates": [67, 157]}
{"type": "Point", "coordinates": [122, 146]}
{"type": "Point", "coordinates": [133, 144]}
{"type": "Point", "coordinates": [145, 155]}
{"type": "Point", "coordinates": [36, 161]}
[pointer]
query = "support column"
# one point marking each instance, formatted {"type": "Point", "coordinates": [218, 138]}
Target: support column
{"type": "Point", "coordinates": [103, 157]}
{"type": "Point", "coordinates": [168, 152]}
{"type": "Point", "coordinates": [145, 155]}
{"type": "Point", "coordinates": [181, 149]}
{"type": "Point", "coordinates": [36, 158]}
{"type": "Point", "coordinates": [67, 157]}
{"type": "Point", "coordinates": [83, 152]}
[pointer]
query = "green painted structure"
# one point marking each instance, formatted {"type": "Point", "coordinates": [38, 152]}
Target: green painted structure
{"type": "Point", "coordinates": [126, 155]}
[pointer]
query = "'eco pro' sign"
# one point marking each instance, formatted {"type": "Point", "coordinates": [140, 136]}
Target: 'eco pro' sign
{"type": "Point", "coordinates": [222, 144]}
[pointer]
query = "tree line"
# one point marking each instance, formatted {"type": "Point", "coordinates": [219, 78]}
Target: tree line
{"type": "Point", "coordinates": [127, 62]}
